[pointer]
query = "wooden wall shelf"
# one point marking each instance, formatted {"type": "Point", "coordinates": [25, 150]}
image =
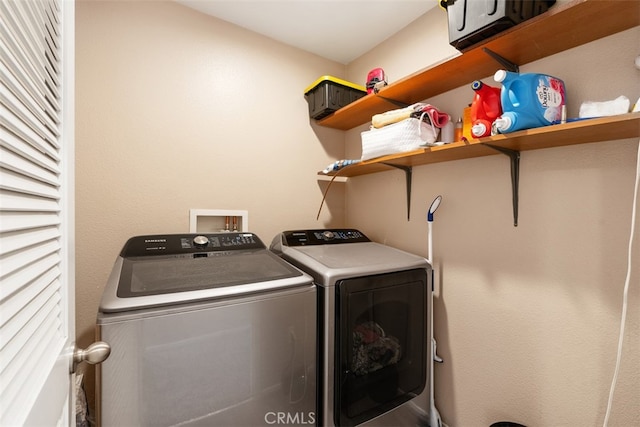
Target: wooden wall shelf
{"type": "Point", "coordinates": [578, 132]}
{"type": "Point", "coordinates": [562, 27]}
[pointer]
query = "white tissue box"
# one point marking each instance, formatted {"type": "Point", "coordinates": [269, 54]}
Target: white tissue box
{"type": "Point", "coordinates": [401, 137]}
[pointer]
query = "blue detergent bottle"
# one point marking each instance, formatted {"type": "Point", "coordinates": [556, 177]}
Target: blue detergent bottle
{"type": "Point", "coordinates": [528, 100]}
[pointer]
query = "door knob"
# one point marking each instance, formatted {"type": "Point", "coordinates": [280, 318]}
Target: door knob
{"type": "Point", "coordinates": [95, 353]}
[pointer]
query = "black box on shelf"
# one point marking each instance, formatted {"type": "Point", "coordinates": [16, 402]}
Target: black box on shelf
{"type": "Point", "coordinates": [472, 21]}
{"type": "Point", "coordinates": [328, 94]}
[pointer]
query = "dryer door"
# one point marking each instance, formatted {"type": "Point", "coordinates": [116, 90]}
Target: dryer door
{"type": "Point", "coordinates": [381, 342]}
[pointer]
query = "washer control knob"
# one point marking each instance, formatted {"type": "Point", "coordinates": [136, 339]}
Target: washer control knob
{"type": "Point", "coordinates": [328, 235]}
{"type": "Point", "coordinates": [201, 241]}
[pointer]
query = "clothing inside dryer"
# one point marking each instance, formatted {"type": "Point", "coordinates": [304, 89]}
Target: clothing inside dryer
{"type": "Point", "coordinates": [382, 342]}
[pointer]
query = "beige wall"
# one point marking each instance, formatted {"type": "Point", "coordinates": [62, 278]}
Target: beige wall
{"type": "Point", "coordinates": [177, 110]}
{"type": "Point", "coordinates": [526, 318]}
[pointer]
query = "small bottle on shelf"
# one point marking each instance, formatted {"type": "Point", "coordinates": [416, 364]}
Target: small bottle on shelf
{"type": "Point", "coordinates": [457, 132]}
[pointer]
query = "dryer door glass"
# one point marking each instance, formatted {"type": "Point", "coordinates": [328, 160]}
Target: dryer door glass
{"type": "Point", "coordinates": [381, 342]}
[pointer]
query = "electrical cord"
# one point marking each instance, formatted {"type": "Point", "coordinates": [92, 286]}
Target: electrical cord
{"type": "Point", "coordinates": [326, 191]}
{"type": "Point", "coordinates": [625, 294]}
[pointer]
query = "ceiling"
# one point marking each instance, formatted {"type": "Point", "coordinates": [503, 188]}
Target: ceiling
{"type": "Point", "coordinates": [340, 30]}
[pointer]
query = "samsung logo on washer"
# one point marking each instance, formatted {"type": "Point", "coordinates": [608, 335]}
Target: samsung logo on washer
{"type": "Point", "coordinates": [297, 418]}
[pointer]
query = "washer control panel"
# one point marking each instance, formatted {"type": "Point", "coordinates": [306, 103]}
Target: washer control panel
{"type": "Point", "coordinates": [323, 237]}
{"type": "Point", "coordinates": [176, 244]}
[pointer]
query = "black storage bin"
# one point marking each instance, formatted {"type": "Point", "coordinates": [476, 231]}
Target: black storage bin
{"type": "Point", "coordinates": [328, 94]}
{"type": "Point", "coordinates": [472, 21]}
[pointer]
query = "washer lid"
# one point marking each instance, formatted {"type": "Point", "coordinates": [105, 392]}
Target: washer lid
{"type": "Point", "coordinates": [172, 269]}
{"type": "Point", "coordinates": [143, 276]}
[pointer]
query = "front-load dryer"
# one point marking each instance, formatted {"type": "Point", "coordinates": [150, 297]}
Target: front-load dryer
{"type": "Point", "coordinates": [373, 326]}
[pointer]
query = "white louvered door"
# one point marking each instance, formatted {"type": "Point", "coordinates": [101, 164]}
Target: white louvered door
{"type": "Point", "coordinates": [36, 212]}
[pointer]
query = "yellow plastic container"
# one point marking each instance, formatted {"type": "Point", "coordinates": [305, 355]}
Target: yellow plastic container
{"type": "Point", "coordinates": [328, 94]}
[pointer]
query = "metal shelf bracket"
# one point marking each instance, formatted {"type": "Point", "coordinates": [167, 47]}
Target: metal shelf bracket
{"type": "Point", "coordinates": [515, 177]}
{"type": "Point", "coordinates": [393, 101]}
{"type": "Point", "coordinates": [408, 176]}
{"type": "Point", "coordinates": [510, 66]}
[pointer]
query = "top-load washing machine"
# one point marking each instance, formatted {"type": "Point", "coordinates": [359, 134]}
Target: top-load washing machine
{"type": "Point", "coordinates": [373, 326]}
{"type": "Point", "coordinates": [206, 330]}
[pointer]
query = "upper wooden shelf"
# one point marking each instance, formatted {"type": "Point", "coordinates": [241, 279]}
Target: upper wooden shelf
{"type": "Point", "coordinates": [562, 27]}
{"type": "Point", "coordinates": [578, 132]}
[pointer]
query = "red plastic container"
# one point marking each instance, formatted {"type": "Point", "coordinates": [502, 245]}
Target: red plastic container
{"type": "Point", "coordinates": [374, 77]}
{"type": "Point", "coordinates": [485, 108]}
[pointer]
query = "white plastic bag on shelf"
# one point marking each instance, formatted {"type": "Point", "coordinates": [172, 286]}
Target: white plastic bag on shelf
{"type": "Point", "coordinates": [401, 137]}
{"type": "Point", "coordinates": [589, 109]}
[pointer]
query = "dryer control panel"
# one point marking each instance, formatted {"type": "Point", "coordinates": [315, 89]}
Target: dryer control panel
{"type": "Point", "coordinates": [323, 237]}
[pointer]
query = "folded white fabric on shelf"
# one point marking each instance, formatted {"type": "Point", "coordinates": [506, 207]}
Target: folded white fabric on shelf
{"type": "Point", "coordinates": [589, 109]}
